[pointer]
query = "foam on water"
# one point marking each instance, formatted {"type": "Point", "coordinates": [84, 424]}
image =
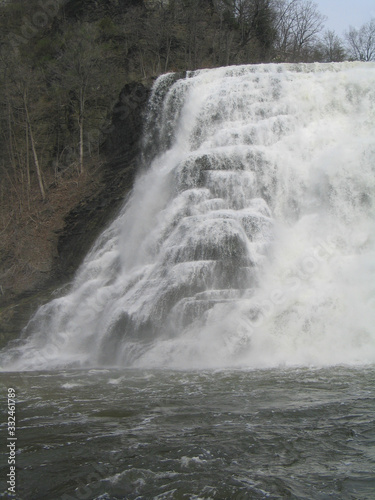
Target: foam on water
{"type": "Point", "coordinates": [248, 241]}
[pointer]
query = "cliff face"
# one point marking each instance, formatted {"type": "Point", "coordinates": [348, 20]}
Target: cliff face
{"type": "Point", "coordinates": [122, 152]}
{"type": "Point", "coordinates": [44, 255]}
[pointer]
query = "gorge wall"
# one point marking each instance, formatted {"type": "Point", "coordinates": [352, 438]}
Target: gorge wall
{"type": "Point", "coordinates": [71, 226]}
{"type": "Point", "coordinates": [247, 240]}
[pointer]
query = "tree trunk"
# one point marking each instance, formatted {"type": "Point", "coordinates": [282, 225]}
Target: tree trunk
{"type": "Point", "coordinates": [36, 160]}
{"type": "Point", "coordinates": [11, 150]}
{"type": "Point", "coordinates": [80, 122]}
{"type": "Point", "coordinates": [27, 159]}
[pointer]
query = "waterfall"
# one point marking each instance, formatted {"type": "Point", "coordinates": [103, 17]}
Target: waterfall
{"type": "Point", "coordinates": [248, 241]}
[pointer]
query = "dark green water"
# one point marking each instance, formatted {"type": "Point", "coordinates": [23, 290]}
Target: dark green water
{"type": "Point", "coordinates": [272, 434]}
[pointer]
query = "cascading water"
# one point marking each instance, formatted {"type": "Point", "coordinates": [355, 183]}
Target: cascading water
{"type": "Point", "coordinates": [249, 240]}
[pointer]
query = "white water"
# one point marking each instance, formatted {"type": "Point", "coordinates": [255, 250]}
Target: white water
{"type": "Point", "coordinates": [249, 240]}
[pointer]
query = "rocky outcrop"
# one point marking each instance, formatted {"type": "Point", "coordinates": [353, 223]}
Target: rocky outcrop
{"type": "Point", "coordinates": [122, 150]}
{"type": "Point", "coordinates": [82, 225]}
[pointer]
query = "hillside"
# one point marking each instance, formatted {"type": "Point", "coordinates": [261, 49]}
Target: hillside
{"type": "Point", "coordinates": [68, 142]}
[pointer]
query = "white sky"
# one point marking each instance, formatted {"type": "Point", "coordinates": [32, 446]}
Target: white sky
{"type": "Point", "coordinates": [344, 13]}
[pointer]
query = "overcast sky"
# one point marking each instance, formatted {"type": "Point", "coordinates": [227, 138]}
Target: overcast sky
{"type": "Point", "coordinates": [343, 13]}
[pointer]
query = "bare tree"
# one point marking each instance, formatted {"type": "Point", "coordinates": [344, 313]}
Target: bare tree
{"type": "Point", "coordinates": [361, 42]}
{"type": "Point", "coordinates": [33, 145]}
{"type": "Point", "coordinates": [21, 99]}
{"type": "Point", "coordinates": [78, 72]}
{"type": "Point", "coordinates": [331, 47]}
{"type": "Point", "coordinates": [299, 24]}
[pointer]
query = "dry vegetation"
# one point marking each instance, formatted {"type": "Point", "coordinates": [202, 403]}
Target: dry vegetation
{"type": "Point", "coordinates": [28, 244]}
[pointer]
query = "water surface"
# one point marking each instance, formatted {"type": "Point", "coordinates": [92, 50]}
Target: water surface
{"type": "Point", "coordinates": [153, 434]}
